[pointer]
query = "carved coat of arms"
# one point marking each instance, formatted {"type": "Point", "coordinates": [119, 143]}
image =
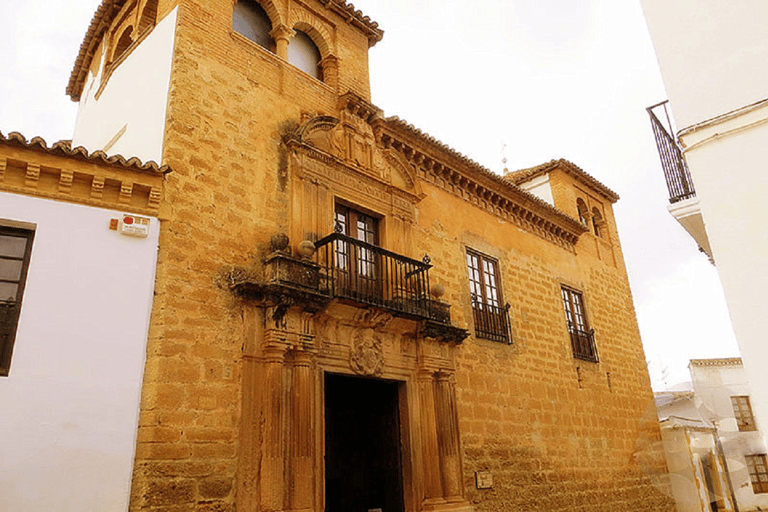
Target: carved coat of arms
{"type": "Point", "coordinates": [366, 355]}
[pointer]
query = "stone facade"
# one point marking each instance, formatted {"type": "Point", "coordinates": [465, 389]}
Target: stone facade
{"type": "Point", "coordinates": [250, 324]}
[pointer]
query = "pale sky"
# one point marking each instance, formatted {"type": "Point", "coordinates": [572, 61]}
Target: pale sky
{"type": "Point", "coordinates": [547, 78]}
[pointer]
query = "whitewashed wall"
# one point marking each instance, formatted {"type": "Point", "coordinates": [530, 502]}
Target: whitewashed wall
{"type": "Point", "coordinates": [130, 111]}
{"type": "Point", "coordinates": [71, 401]}
{"type": "Point", "coordinates": [712, 57]}
{"type": "Point", "coordinates": [711, 54]}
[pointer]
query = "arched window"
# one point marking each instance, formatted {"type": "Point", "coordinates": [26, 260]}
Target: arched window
{"type": "Point", "coordinates": [597, 222]}
{"type": "Point", "coordinates": [148, 16]}
{"type": "Point", "coordinates": [304, 54]}
{"type": "Point", "coordinates": [583, 211]}
{"type": "Point", "coordinates": [123, 43]}
{"type": "Point", "coordinates": [251, 20]}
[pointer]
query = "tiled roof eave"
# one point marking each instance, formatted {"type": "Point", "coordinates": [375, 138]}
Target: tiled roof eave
{"type": "Point", "coordinates": [397, 128]}
{"type": "Point", "coordinates": [100, 22]}
{"type": "Point", "coordinates": [64, 149]}
{"type": "Point", "coordinates": [524, 175]}
{"type": "Point", "coordinates": [108, 9]}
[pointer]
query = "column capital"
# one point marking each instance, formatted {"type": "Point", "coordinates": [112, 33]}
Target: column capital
{"type": "Point", "coordinates": [282, 32]}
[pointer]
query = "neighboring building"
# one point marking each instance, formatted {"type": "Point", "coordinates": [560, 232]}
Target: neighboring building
{"type": "Point", "coordinates": [711, 56]}
{"type": "Point", "coordinates": [715, 450]}
{"type": "Point", "coordinates": [75, 301]}
{"type": "Point", "coordinates": [304, 353]}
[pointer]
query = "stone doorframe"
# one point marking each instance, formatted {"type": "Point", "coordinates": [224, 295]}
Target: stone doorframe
{"type": "Point", "coordinates": [286, 354]}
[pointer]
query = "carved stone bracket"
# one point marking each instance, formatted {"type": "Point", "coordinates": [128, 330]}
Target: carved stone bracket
{"type": "Point", "coordinates": [443, 332]}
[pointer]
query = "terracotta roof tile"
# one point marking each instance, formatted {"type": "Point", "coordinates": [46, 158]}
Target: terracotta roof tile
{"type": "Point", "coordinates": [524, 175]}
{"type": "Point", "coordinates": [64, 148]}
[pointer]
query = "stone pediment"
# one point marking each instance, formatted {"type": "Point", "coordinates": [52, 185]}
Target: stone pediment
{"type": "Point", "coordinates": [350, 141]}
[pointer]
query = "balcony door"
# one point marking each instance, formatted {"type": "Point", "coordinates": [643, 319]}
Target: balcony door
{"type": "Point", "coordinates": [357, 265]}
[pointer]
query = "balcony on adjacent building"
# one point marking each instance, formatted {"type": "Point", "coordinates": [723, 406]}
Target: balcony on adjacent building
{"type": "Point", "coordinates": [684, 204]}
{"type": "Point", "coordinates": [357, 273]}
{"type": "Point", "coordinates": [673, 162]}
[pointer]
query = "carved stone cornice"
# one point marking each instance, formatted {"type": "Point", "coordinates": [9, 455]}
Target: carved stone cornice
{"type": "Point", "coordinates": [445, 168]}
{"type": "Point", "coordinates": [358, 106]}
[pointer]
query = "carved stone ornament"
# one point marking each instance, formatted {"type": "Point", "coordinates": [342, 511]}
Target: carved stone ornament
{"type": "Point", "coordinates": [366, 355]}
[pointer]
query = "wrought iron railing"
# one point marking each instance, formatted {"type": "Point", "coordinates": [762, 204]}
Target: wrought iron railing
{"type": "Point", "coordinates": [673, 162]}
{"type": "Point", "coordinates": [491, 322]}
{"type": "Point", "coordinates": [365, 273]}
{"type": "Point", "coordinates": [583, 344]}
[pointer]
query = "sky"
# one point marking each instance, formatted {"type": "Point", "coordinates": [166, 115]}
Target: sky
{"type": "Point", "coordinates": [525, 80]}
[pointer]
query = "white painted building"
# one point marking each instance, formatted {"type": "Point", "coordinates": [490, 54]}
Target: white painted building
{"type": "Point", "coordinates": [83, 231]}
{"type": "Point", "coordinates": [712, 57]}
{"type": "Point", "coordinates": [715, 448]}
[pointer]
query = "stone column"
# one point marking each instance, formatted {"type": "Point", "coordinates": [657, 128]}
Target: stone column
{"type": "Point", "coordinates": [448, 437]}
{"type": "Point", "coordinates": [282, 35]}
{"type": "Point", "coordinates": [433, 489]}
{"type": "Point", "coordinates": [273, 446]}
{"type": "Point", "coordinates": [302, 433]}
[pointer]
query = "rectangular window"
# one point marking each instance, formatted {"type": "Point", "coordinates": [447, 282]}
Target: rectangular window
{"type": "Point", "coordinates": [15, 249]}
{"type": "Point", "coordinates": [491, 318]}
{"type": "Point", "coordinates": [742, 410]}
{"type": "Point", "coordinates": [357, 265]}
{"type": "Point", "coordinates": [582, 337]}
{"type": "Point", "coordinates": [758, 472]}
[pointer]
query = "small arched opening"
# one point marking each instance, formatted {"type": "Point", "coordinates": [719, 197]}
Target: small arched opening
{"type": "Point", "coordinates": [305, 55]}
{"type": "Point", "coordinates": [123, 43]}
{"type": "Point", "coordinates": [251, 20]}
{"type": "Point", "coordinates": [581, 206]}
{"type": "Point", "coordinates": [597, 222]}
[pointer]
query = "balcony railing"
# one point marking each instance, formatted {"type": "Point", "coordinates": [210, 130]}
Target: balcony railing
{"type": "Point", "coordinates": [364, 273]}
{"type": "Point", "coordinates": [491, 322]}
{"type": "Point", "coordinates": [673, 162]}
{"type": "Point", "coordinates": [583, 344]}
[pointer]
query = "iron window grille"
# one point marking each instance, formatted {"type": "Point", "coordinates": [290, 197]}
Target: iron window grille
{"type": "Point", "coordinates": [582, 337]}
{"type": "Point", "coordinates": [490, 317]}
{"type": "Point", "coordinates": [15, 250]}
{"type": "Point", "coordinates": [742, 411]}
{"type": "Point", "coordinates": [758, 472]}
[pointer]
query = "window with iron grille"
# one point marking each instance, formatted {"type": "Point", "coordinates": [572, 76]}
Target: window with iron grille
{"type": "Point", "coordinates": [582, 337]}
{"type": "Point", "coordinates": [758, 472]}
{"type": "Point", "coordinates": [15, 249]}
{"type": "Point", "coordinates": [491, 318]}
{"type": "Point", "coordinates": [742, 410]}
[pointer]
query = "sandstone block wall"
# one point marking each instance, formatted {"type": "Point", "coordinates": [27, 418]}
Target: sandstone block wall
{"type": "Point", "coordinates": [556, 433]}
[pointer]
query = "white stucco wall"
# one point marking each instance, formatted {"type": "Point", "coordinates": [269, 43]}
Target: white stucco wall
{"type": "Point", "coordinates": [134, 100]}
{"type": "Point", "coordinates": [711, 54]}
{"type": "Point", "coordinates": [731, 184]}
{"type": "Point", "coordinates": [71, 401]}
{"type": "Point", "coordinates": [540, 187]}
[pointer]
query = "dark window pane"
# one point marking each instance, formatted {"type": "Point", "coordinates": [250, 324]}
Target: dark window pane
{"type": "Point", "coordinates": [8, 291]}
{"type": "Point", "coordinates": [13, 246]}
{"type": "Point", "coordinates": [10, 270]}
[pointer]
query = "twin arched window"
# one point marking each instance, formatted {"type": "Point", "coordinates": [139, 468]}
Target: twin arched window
{"type": "Point", "coordinates": [595, 220]}
{"type": "Point", "coordinates": [251, 20]}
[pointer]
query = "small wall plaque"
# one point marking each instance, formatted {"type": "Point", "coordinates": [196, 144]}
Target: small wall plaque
{"type": "Point", "coordinates": [483, 479]}
{"type": "Point", "coordinates": [133, 225]}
